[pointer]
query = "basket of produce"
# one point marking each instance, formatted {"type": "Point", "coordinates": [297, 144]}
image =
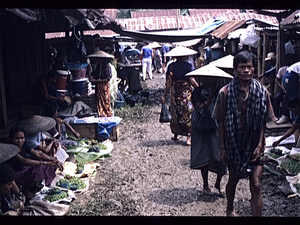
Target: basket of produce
{"type": "Point", "coordinates": [55, 190]}
{"type": "Point", "coordinates": [73, 182]}
{"type": "Point", "coordinates": [73, 186]}
{"type": "Point", "coordinates": [64, 183]}
{"type": "Point", "coordinates": [79, 167]}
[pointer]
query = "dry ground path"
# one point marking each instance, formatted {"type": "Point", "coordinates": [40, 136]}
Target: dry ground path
{"type": "Point", "coordinates": [148, 174]}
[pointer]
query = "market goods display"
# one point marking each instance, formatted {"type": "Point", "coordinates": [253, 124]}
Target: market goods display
{"type": "Point", "coordinates": [291, 166]}
{"type": "Point", "coordinates": [55, 197]}
{"type": "Point", "coordinates": [275, 153]}
{"type": "Point", "coordinates": [295, 156]}
{"type": "Point", "coordinates": [72, 181]}
{"type": "Point", "coordinates": [297, 186]}
{"type": "Point", "coordinates": [89, 150]}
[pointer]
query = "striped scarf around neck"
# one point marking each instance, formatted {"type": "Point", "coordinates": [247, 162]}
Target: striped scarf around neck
{"type": "Point", "coordinates": [240, 144]}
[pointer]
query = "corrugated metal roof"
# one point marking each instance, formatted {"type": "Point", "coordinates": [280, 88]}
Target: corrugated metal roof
{"type": "Point", "coordinates": [166, 19]}
{"type": "Point", "coordinates": [291, 20]}
{"type": "Point", "coordinates": [223, 31]}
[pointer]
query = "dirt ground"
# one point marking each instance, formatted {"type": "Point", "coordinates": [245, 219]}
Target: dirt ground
{"type": "Point", "coordinates": [148, 174]}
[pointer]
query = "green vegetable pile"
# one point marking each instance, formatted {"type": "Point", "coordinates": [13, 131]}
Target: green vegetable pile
{"type": "Point", "coordinates": [56, 197]}
{"type": "Point", "coordinates": [296, 157]}
{"type": "Point", "coordinates": [275, 153]}
{"type": "Point", "coordinates": [77, 180]}
{"type": "Point", "coordinates": [292, 166]}
{"type": "Point", "coordinates": [297, 186]}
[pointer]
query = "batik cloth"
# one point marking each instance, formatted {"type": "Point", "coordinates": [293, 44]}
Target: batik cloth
{"type": "Point", "coordinates": [181, 107]}
{"type": "Point", "coordinates": [103, 99]}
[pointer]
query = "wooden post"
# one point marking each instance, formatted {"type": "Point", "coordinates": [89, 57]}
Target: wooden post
{"type": "Point", "coordinates": [3, 113]}
{"type": "Point", "coordinates": [67, 38]}
{"type": "Point", "coordinates": [265, 45]}
{"type": "Point", "coordinates": [259, 55]}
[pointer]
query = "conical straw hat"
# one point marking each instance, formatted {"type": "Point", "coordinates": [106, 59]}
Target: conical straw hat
{"type": "Point", "coordinates": [209, 71]}
{"type": "Point", "coordinates": [154, 45]}
{"type": "Point", "coordinates": [224, 62]}
{"type": "Point", "coordinates": [36, 124]}
{"type": "Point", "coordinates": [180, 51]}
{"type": "Point", "coordinates": [7, 151]}
{"type": "Point", "coordinates": [100, 54]}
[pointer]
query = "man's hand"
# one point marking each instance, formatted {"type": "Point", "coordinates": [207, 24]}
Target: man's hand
{"type": "Point", "coordinates": [256, 154]}
{"type": "Point", "coordinates": [223, 156]}
{"type": "Point", "coordinates": [163, 100]}
{"type": "Point", "coordinates": [275, 143]}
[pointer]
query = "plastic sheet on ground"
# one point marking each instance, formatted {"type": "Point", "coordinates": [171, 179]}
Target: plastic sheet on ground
{"type": "Point", "coordinates": [39, 196]}
{"type": "Point", "coordinates": [43, 208]}
{"type": "Point", "coordinates": [271, 139]}
{"type": "Point", "coordinates": [90, 169]}
{"type": "Point", "coordinates": [292, 181]}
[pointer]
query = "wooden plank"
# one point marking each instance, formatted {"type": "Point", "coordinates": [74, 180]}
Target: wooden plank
{"type": "Point", "coordinates": [90, 131]}
{"type": "Point", "coordinates": [273, 125]}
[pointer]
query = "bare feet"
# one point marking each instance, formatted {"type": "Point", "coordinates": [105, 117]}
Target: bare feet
{"type": "Point", "coordinates": [188, 141]}
{"type": "Point", "coordinates": [221, 192]}
{"type": "Point", "coordinates": [175, 138]}
{"type": "Point", "coordinates": [231, 213]}
{"type": "Point", "coordinates": [207, 191]}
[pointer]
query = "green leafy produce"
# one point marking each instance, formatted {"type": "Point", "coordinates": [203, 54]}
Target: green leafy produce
{"type": "Point", "coordinates": [292, 166]}
{"type": "Point", "coordinates": [78, 181]}
{"type": "Point", "coordinates": [72, 137]}
{"type": "Point", "coordinates": [295, 156]}
{"type": "Point", "coordinates": [276, 151]}
{"type": "Point", "coordinates": [72, 180]}
{"type": "Point", "coordinates": [56, 197]}
{"type": "Point", "coordinates": [297, 186]}
{"type": "Point", "coordinates": [86, 157]}
{"type": "Point", "coordinates": [273, 155]}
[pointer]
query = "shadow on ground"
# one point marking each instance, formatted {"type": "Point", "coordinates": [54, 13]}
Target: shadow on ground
{"type": "Point", "coordinates": [177, 197]}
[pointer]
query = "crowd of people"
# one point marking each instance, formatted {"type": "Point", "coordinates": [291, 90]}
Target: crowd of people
{"type": "Point", "coordinates": [239, 109]}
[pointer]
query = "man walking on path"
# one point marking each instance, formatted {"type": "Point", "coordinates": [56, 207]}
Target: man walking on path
{"type": "Point", "coordinates": [242, 109]}
{"type": "Point", "coordinates": [147, 54]}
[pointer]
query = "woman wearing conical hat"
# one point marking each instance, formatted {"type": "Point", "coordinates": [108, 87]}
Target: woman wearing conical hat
{"type": "Point", "coordinates": [180, 88]}
{"type": "Point", "coordinates": [101, 77]}
{"type": "Point", "coordinates": [31, 166]}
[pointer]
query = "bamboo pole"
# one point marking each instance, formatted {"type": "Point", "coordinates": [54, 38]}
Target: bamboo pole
{"type": "Point", "coordinates": [265, 43]}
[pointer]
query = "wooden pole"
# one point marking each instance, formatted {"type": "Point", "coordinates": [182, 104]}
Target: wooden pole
{"type": "Point", "coordinates": [259, 55]}
{"type": "Point", "coordinates": [265, 43]}
{"type": "Point", "coordinates": [3, 113]}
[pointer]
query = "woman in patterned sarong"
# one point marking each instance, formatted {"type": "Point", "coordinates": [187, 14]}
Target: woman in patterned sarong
{"type": "Point", "coordinates": [101, 77]}
{"type": "Point", "coordinates": [181, 106]}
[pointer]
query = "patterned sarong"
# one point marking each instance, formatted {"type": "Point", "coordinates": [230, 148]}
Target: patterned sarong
{"type": "Point", "coordinates": [181, 107]}
{"type": "Point", "coordinates": [103, 99]}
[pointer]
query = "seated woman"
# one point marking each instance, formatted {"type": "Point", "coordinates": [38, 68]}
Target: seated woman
{"type": "Point", "coordinates": [35, 141]}
{"type": "Point", "coordinates": [43, 91]}
{"type": "Point", "coordinates": [59, 131]}
{"type": "Point", "coordinates": [9, 203]}
{"type": "Point", "coordinates": [34, 126]}
{"type": "Point", "coordinates": [31, 166]}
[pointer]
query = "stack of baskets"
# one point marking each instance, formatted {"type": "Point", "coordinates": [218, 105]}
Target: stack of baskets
{"type": "Point", "coordinates": [78, 71]}
{"type": "Point", "coordinates": [61, 81]}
